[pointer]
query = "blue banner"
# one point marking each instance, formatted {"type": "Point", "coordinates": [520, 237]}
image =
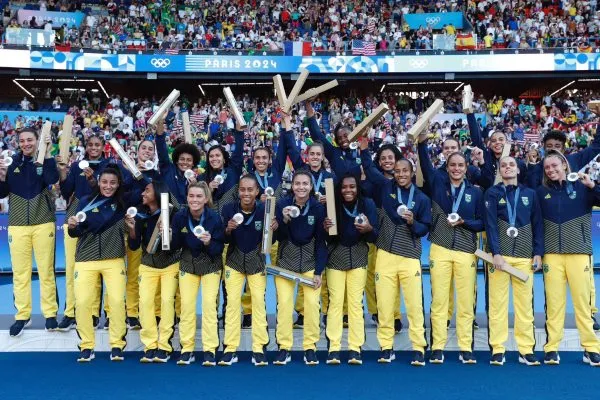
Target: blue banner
{"type": "Point", "coordinates": [58, 18]}
{"type": "Point", "coordinates": [5, 263]}
{"type": "Point", "coordinates": [279, 64]}
{"type": "Point", "coordinates": [434, 20]}
{"type": "Point", "coordinates": [31, 116]}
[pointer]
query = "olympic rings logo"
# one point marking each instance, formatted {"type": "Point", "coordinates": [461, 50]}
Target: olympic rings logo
{"type": "Point", "coordinates": [432, 20]}
{"type": "Point", "coordinates": [160, 62]}
{"type": "Point", "coordinates": [416, 63]}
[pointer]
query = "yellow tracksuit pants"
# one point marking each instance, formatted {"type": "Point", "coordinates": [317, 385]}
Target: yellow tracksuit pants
{"type": "Point", "coordinates": [234, 282]}
{"type": "Point", "coordinates": [39, 240]}
{"type": "Point", "coordinates": [246, 298]}
{"type": "Point", "coordinates": [497, 290]}
{"type": "Point", "coordinates": [188, 288]}
{"type": "Point", "coordinates": [164, 281]}
{"type": "Point", "coordinates": [370, 285]}
{"type": "Point", "coordinates": [351, 285]}
{"type": "Point", "coordinates": [86, 276]}
{"type": "Point", "coordinates": [392, 273]}
{"type": "Point", "coordinates": [574, 270]}
{"type": "Point", "coordinates": [444, 265]}
{"type": "Point", "coordinates": [132, 299]}
{"type": "Point", "coordinates": [324, 293]}
{"type": "Point", "coordinates": [285, 308]}
{"type": "Point", "coordinates": [70, 250]}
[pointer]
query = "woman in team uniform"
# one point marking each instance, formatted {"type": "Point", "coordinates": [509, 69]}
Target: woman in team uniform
{"type": "Point", "coordinates": [222, 173]}
{"type": "Point", "coordinates": [201, 264]}
{"type": "Point", "coordinates": [347, 267]}
{"type": "Point", "coordinates": [173, 172]}
{"type": "Point", "coordinates": [158, 272]}
{"type": "Point", "coordinates": [515, 236]}
{"type": "Point", "coordinates": [245, 263]}
{"type": "Point", "coordinates": [405, 218]}
{"type": "Point", "coordinates": [302, 249]}
{"type": "Point", "coordinates": [457, 212]}
{"type": "Point", "coordinates": [31, 228]}
{"type": "Point", "coordinates": [385, 159]}
{"type": "Point", "coordinates": [100, 229]}
{"type": "Point", "coordinates": [567, 212]}
{"type": "Point", "coordinates": [315, 165]}
{"type": "Point", "coordinates": [73, 187]}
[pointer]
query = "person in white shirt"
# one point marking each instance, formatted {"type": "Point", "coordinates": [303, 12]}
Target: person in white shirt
{"type": "Point", "coordinates": [25, 104]}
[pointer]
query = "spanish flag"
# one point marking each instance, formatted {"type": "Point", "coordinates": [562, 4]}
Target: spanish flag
{"type": "Point", "coordinates": [465, 41]}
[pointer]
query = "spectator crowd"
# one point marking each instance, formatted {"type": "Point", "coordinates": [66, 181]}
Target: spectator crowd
{"type": "Point", "coordinates": [173, 26]}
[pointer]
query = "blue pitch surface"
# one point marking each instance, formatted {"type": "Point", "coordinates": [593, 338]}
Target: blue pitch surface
{"type": "Point", "coordinates": [6, 296]}
{"type": "Point", "coordinates": [59, 376]}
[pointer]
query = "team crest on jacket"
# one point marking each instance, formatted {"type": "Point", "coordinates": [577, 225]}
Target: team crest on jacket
{"type": "Point", "coordinates": [525, 201]}
{"type": "Point", "coordinates": [311, 219]}
{"type": "Point", "coordinates": [502, 201]}
{"type": "Point", "coordinates": [258, 225]}
{"type": "Point", "coordinates": [547, 197]}
{"type": "Point", "coordinates": [467, 197]}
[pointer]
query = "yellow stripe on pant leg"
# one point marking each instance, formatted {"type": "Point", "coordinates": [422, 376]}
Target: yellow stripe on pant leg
{"type": "Point", "coordinates": [412, 285]}
{"type": "Point", "coordinates": [86, 275]}
{"type": "Point", "coordinates": [234, 283]}
{"type": "Point", "coordinates": [465, 272]}
{"type": "Point", "coordinates": [285, 302]}
{"type": "Point", "coordinates": [440, 271]}
{"type": "Point", "coordinates": [44, 241]}
{"type": "Point", "coordinates": [115, 279]}
{"type": "Point", "coordinates": [356, 280]}
{"type": "Point", "coordinates": [386, 286]}
{"type": "Point", "coordinates": [524, 327]}
{"type": "Point", "coordinates": [188, 288]}
{"type": "Point", "coordinates": [134, 258]}
{"type": "Point", "coordinates": [498, 283]}
{"type": "Point", "coordinates": [21, 248]}
{"type": "Point", "coordinates": [169, 282]}
{"type": "Point", "coordinates": [578, 276]}
{"type": "Point", "coordinates": [70, 249]}
{"type": "Point", "coordinates": [337, 293]}
{"type": "Point", "coordinates": [555, 289]}
{"type": "Point", "coordinates": [260, 334]}
{"type": "Point", "coordinates": [210, 284]}
{"type": "Point", "coordinates": [312, 326]}
{"type": "Point", "coordinates": [148, 286]}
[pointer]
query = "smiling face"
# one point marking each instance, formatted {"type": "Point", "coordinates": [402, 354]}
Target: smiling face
{"type": "Point", "coordinates": [403, 173]}
{"type": "Point", "coordinates": [27, 143]}
{"type": "Point", "coordinates": [349, 189]}
{"type": "Point", "coordinates": [450, 146]}
{"type": "Point", "coordinates": [93, 148]}
{"type": "Point", "coordinates": [497, 142]}
{"type": "Point", "coordinates": [146, 151]}
{"type": "Point", "coordinates": [196, 199]}
{"type": "Point", "coordinates": [185, 162]}
{"type": "Point", "coordinates": [148, 195]}
{"type": "Point", "coordinates": [301, 186]}
{"type": "Point", "coordinates": [216, 159]}
{"type": "Point", "coordinates": [108, 184]}
{"type": "Point", "coordinates": [554, 144]}
{"type": "Point", "coordinates": [457, 167]}
{"type": "Point", "coordinates": [247, 191]}
{"type": "Point", "coordinates": [387, 159]}
{"type": "Point", "coordinates": [261, 160]}
{"type": "Point", "coordinates": [315, 157]}
{"type": "Point", "coordinates": [554, 168]}
{"type": "Point", "coordinates": [341, 138]}
{"type": "Point", "coordinates": [508, 168]}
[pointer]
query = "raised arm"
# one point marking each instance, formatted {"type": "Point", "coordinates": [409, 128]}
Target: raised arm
{"type": "Point", "coordinates": [373, 174]}
{"type": "Point", "coordinates": [429, 172]}
{"type": "Point", "coordinates": [291, 148]}
{"type": "Point", "coordinates": [315, 132]}
{"type": "Point", "coordinates": [475, 132]}
{"type": "Point", "coordinates": [237, 157]}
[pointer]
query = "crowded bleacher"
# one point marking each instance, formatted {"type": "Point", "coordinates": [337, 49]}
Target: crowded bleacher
{"type": "Point", "coordinates": [250, 26]}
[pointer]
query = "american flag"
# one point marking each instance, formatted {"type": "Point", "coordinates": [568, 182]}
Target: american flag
{"type": "Point", "coordinates": [363, 48]}
{"type": "Point", "coordinates": [532, 136]}
{"type": "Point", "coordinates": [197, 121]}
{"type": "Point", "coordinates": [371, 25]}
{"type": "Point", "coordinates": [171, 51]}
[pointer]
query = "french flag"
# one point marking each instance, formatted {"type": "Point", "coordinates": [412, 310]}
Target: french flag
{"type": "Point", "coordinates": [297, 48]}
